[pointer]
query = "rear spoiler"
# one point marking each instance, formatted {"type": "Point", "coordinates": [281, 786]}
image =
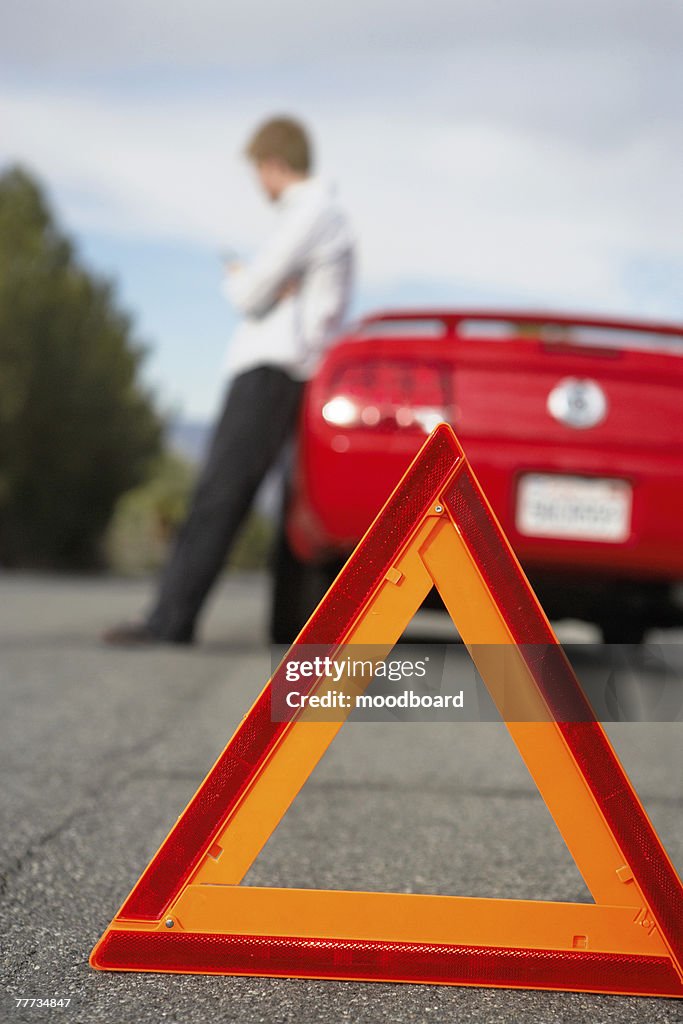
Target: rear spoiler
{"type": "Point", "coordinates": [551, 329]}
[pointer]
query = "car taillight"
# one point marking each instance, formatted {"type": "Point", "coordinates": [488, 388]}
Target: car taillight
{"type": "Point", "coordinates": [390, 395]}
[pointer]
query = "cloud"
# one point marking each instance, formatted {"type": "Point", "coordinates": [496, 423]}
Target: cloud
{"type": "Point", "coordinates": [588, 70]}
{"type": "Point", "coordinates": [528, 148]}
{"type": "Point", "coordinates": [456, 200]}
{"type": "Point", "coordinates": [134, 33]}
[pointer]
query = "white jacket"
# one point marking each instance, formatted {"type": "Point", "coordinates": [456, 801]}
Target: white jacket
{"type": "Point", "coordinates": [311, 245]}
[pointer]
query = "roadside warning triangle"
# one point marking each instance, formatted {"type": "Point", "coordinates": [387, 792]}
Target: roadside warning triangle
{"type": "Point", "coordinates": [188, 912]}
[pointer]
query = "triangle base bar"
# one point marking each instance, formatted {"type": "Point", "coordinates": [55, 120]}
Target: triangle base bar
{"type": "Point", "coordinates": [344, 959]}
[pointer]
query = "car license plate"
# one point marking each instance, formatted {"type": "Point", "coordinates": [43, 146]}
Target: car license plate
{"type": "Point", "coordinates": [574, 507]}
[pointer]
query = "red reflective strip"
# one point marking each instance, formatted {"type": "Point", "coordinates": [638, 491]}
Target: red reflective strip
{"type": "Point", "coordinates": [561, 690]}
{"type": "Point", "coordinates": [387, 961]}
{"type": "Point", "coordinates": [631, 829]}
{"type": "Point", "coordinates": [223, 787]}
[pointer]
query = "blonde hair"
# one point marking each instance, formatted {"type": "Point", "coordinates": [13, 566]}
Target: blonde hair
{"type": "Point", "coordinates": [282, 138]}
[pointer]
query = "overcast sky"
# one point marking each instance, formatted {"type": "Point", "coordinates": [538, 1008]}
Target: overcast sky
{"type": "Point", "coordinates": [526, 153]}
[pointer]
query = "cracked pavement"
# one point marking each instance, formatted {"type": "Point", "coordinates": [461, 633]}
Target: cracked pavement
{"type": "Point", "coordinates": [100, 750]}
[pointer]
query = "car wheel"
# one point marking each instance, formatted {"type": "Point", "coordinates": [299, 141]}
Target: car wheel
{"type": "Point", "coordinates": [623, 630]}
{"type": "Point", "coordinates": [297, 589]}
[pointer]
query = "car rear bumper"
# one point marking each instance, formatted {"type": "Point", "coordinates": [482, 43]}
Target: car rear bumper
{"type": "Point", "coordinates": [344, 478]}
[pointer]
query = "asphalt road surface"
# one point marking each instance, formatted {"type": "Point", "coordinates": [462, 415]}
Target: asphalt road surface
{"type": "Point", "coordinates": [101, 749]}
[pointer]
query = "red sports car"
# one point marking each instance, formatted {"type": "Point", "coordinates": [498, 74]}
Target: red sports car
{"type": "Point", "coordinates": [573, 426]}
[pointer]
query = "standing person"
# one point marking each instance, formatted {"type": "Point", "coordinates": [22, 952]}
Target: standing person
{"type": "Point", "coordinates": [293, 297]}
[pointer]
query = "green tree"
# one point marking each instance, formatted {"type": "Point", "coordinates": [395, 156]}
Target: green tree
{"type": "Point", "coordinates": [76, 427]}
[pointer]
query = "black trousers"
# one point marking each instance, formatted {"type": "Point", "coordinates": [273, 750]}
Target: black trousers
{"type": "Point", "coordinates": [258, 418]}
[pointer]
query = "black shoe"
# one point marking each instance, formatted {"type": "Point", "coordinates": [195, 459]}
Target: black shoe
{"type": "Point", "coordinates": [139, 634]}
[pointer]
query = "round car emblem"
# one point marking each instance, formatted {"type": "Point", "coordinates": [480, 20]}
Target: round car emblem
{"type": "Point", "coordinates": [578, 403]}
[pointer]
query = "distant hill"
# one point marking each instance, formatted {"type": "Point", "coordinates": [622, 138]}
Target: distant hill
{"type": "Point", "coordinates": [189, 438]}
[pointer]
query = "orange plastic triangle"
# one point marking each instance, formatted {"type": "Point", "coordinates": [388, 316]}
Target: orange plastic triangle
{"type": "Point", "coordinates": [188, 912]}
